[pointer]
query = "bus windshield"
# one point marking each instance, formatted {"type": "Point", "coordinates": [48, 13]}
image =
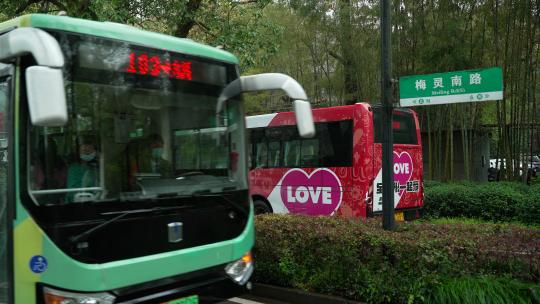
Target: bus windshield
{"type": "Point", "coordinates": [143, 123]}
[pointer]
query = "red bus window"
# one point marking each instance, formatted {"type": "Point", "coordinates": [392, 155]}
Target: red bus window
{"type": "Point", "coordinates": [274, 154]}
{"type": "Point", "coordinates": [261, 156]}
{"type": "Point", "coordinates": [281, 146]}
{"type": "Point", "coordinates": [403, 126]}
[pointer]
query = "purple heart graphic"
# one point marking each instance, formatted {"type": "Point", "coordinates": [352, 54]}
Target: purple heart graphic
{"type": "Point", "coordinates": [403, 168]}
{"type": "Point", "coordinates": [316, 194]}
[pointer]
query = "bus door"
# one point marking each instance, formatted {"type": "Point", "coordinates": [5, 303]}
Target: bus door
{"type": "Point", "coordinates": [6, 250]}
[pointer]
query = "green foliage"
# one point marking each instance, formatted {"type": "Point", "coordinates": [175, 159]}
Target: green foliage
{"type": "Point", "coordinates": [498, 202]}
{"type": "Point", "coordinates": [484, 289]}
{"type": "Point", "coordinates": [358, 260]}
{"type": "Point", "coordinates": [474, 221]}
{"type": "Point", "coordinates": [241, 28]}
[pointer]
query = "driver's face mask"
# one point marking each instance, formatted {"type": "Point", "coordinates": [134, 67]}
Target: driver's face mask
{"type": "Point", "coordinates": [87, 152]}
{"type": "Point", "coordinates": [157, 152]}
{"type": "Point", "coordinates": [88, 157]}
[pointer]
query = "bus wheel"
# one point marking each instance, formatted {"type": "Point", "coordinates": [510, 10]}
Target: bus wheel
{"type": "Point", "coordinates": [260, 207]}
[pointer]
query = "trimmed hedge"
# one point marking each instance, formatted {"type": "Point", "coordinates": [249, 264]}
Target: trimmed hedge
{"type": "Point", "coordinates": [498, 202]}
{"type": "Point", "coordinates": [358, 260]}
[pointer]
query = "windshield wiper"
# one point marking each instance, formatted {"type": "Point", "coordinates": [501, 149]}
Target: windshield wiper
{"type": "Point", "coordinates": [83, 235]}
{"type": "Point", "coordinates": [225, 199]}
{"type": "Point", "coordinates": [189, 173]}
{"type": "Point", "coordinates": [207, 193]}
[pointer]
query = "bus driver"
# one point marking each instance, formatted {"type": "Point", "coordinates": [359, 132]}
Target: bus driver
{"type": "Point", "coordinates": [85, 172]}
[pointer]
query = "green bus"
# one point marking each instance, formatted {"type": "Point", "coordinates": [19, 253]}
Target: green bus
{"type": "Point", "coordinates": [123, 165]}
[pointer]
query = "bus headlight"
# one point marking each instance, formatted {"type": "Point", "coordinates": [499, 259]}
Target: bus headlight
{"type": "Point", "coordinates": [240, 271]}
{"type": "Point", "coordinates": [53, 296]}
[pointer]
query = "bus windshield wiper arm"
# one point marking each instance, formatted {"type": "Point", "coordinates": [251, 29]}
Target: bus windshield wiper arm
{"type": "Point", "coordinates": [230, 202]}
{"type": "Point", "coordinates": [87, 233]}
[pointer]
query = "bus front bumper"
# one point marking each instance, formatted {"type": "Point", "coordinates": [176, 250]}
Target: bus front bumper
{"type": "Point", "coordinates": [210, 285]}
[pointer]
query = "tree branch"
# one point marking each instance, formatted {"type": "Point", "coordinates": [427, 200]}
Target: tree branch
{"type": "Point", "coordinates": [85, 7]}
{"type": "Point", "coordinates": [188, 21]}
{"type": "Point", "coordinates": [244, 2]}
{"type": "Point", "coordinates": [205, 29]}
{"type": "Point", "coordinates": [337, 56]}
{"type": "Point", "coordinates": [24, 6]}
{"type": "Point", "coordinates": [60, 6]}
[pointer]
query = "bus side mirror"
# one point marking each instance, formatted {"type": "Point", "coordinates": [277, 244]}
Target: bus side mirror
{"type": "Point", "coordinates": [44, 82]}
{"type": "Point", "coordinates": [46, 96]}
{"type": "Point", "coordinates": [278, 81]}
{"type": "Point", "coordinates": [304, 118]}
{"type": "Point", "coordinates": [274, 81]}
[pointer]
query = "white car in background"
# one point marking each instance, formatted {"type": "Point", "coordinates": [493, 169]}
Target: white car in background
{"type": "Point", "coordinates": [533, 162]}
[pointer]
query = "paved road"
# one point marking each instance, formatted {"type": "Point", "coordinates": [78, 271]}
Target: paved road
{"type": "Point", "coordinates": [251, 299]}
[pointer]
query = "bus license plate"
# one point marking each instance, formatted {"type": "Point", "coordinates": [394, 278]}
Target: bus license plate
{"type": "Point", "coordinates": [399, 216]}
{"type": "Point", "coordinates": [186, 300]}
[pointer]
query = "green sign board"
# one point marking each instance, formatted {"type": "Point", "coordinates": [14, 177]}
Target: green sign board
{"type": "Point", "coordinates": [451, 87]}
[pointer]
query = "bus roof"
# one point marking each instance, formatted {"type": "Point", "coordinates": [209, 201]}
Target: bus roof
{"type": "Point", "coordinates": [119, 31]}
{"type": "Point", "coordinates": [319, 114]}
{"type": "Point", "coordinates": [264, 120]}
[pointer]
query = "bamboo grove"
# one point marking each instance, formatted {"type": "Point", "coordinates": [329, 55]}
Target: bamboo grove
{"type": "Point", "coordinates": [338, 60]}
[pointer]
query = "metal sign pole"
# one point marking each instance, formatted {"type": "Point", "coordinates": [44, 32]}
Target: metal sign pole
{"type": "Point", "coordinates": [386, 121]}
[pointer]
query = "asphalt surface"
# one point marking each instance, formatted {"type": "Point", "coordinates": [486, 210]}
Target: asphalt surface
{"type": "Point", "coordinates": [251, 299]}
{"type": "Point", "coordinates": [269, 294]}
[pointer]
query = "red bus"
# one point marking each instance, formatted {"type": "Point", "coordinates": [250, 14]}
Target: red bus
{"type": "Point", "coordinates": [337, 172]}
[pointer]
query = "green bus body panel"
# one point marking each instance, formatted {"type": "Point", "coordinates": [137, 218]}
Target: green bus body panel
{"type": "Point", "coordinates": [121, 32]}
{"type": "Point", "coordinates": [64, 272]}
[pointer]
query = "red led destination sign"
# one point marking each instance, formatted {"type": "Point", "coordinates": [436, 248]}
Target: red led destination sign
{"type": "Point", "coordinates": [142, 64]}
{"type": "Point", "coordinates": [148, 63]}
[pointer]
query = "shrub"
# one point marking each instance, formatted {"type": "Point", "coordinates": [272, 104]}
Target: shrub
{"type": "Point", "coordinates": [498, 202]}
{"type": "Point", "coordinates": [529, 209]}
{"type": "Point", "coordinates": [358, 260]}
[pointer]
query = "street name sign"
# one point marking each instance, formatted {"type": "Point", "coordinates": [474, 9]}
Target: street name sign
{"type": "Point", "coordinates": [451, 87]}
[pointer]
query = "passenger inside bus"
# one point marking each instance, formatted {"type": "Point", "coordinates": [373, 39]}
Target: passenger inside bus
{"type": "Point", "coordinates": [84, 172]}
{"type": "Point", "coordinates": [146, 159]}
{"type": "Point", "coordinates": [50, 169]}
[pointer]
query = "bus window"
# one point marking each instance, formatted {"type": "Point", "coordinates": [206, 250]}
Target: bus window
{"type": "Point", "coordinates": [273, 138]}
{"type": "Point", "coordinates": [274, 149]}
{"type": "Point", "coordinates": [186, 149]}
{"type": "Point", "coordinates": [261, 155]}
{"type": "Point", "coordinates": [336, 143]}
{"type": "Point", "coordinates": [259, 148]}
{"type": "Point", "coordinates": [310, 153]}
{"type": "Point", "coordinates": [199, 149]}
{"type": "Point", "coordinates": [213, 156]}
{"type": "Point", "coordinates": [291, 153]}
{"type": "Point", "coordinates": [332, 146]}
{"type": "Point", "coordinates": [403, 126]}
